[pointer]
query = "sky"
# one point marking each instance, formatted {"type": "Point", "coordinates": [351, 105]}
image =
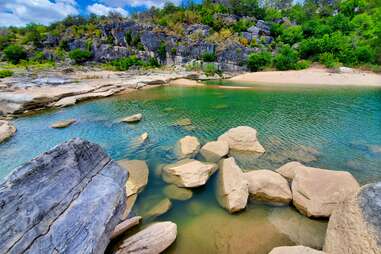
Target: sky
{"type": "Point", "coordinates": [22, 12]}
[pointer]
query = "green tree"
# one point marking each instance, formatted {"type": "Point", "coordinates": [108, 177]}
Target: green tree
{"type": "Point", "coordinates": [258, 61]}
{"type": "Point", "coordinates": [14, 54]}
{"type": "Point", "coordinates": [286, 59]}
{"type": "Point", "coordinates": [80, 56]}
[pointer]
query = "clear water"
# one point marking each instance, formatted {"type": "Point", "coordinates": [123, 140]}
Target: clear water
{"type": "Point", "coordinates": [335, 128]}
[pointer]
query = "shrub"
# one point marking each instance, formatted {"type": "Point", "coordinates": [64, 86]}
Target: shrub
{"type": "Point", "coordinates": [14, 54]}
{"type": "Point", "coordinates": [364, 54]}
{"type": "Point", "coordinates": [258, 61]}
{"type": "Point", "coordinates": [302, 64]}
{"type": "Point", "coordinates": [286, 59]}
{"type": "Point", "coordinates": [124, 63]}
{"type": "Point", "coordinates": [210, 69]}
{"type": "Point", "coordinates": [209, 57]}
{"type": "Point", "coordinates": [292, 34]}
{"type": "Point", "coordinates": [38, 57]}
{"type": "Point", "coordinates": [5, 73]}
{"type": "Point", "coordinates": [329, 60]}
{"type": "Point", "coordinates": [162, 50]}
{"type": "Point", "coordinates": [80, 56]}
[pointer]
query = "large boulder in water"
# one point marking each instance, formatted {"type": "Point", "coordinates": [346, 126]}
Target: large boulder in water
{"type": "Point", "coordinates": [188, 173]}
{"type": "Point", "coordinates": [214, 151]}
{"type": "Point", "coordinates": [355, 225]}
{"type": "Point", "coordinates": [295, 250]}
{"type": "Point", "coordinates": [242, 138]}
{"type": "Point", "coordinates": [187, 147]}
{"type": "Point", "coordinates": [269, 186]}
{"type": "Point", "coordinates": [67, 200]}
{"type": "Point", "coordinates": [7, 130]}
{"type": "Point", "coordinates": [232, 190]}
{"type": "Point", "coordinates": [317, 192]}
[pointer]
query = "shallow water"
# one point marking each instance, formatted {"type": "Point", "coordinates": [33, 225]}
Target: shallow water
{"type": "Point", "coordinates": [335, 128]}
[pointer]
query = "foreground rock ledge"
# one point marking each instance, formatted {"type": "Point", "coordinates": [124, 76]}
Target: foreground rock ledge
{"type": "Point", "coordinates": [355, 226]}
{"type": "Point", "coordinates": [67, 200]}
{"type": "Point", "coordinates": [152, 240]}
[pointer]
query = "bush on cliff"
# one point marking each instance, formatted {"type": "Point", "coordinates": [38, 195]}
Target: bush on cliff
{"type": "Point", "coordinates": [258, 61]}
{"type": "Point", "coordinates": [14, 54]}
{"type": "Point", "coordinates": [80, 56]}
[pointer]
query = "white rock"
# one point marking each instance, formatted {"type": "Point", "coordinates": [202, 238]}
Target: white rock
{"type": "Point", "coordinates": [132, 119]}
{"type": "Point", "coordinates": [288, 170]}
{"type": "Point", "coordinates": [187, 147]}
{"type": "Point", "coordinates": [7, 130]}
{"type": "Point", "coordinates": [242, 138]}
{"type": "Point", "coordinates": [214, 151]}
{"type": "Point", "coordinates": [295, 250]}
{"type": "Point", "coordinates": [232, 190]}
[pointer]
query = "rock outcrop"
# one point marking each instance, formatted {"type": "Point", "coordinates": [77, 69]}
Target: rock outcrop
{"type": "Point", "coordinates": [317, 192]}
{"type": "Point", "coordinates": [214, 151]}
{"type": "Point", "coordinates": [67, 200]}
{"type": "Point", "coordinates": [152, 240]}
{"type": "Point", "coordinates": [269, 186]}
{"type": "Point", "coordinates": [187, 147]}
{"type": "Point", "coordinates": [232, 189]}
{"type": "Point", "coordinates": [133, 118]}
{"type": "Point", "coordinates": [188, 173]}
{"type": "Point", "coordinates": [242, 138]}
{"type": "Point", "coordinates": [295, 250]}
{"type": "Point", "coordinates": [63, 124]}
{"type": "Point", "coordinates": [7, 130]}
{"type": "Point", "coordinates": [138, 175]}
{"type": "Point", "coordinates": [355, 225]}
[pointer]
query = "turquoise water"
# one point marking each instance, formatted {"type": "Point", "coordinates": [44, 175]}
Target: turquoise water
{"type": "Point", "coordinates": [334, 128]}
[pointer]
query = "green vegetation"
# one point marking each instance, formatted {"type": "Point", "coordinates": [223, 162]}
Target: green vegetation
{"type": "Point", "coordinates": [125, 63]}
{"type": "Point", "coordinates": [209, 57]}
{"type": "Point", "coordinates": [258, 61]}
{"type": "Point", "coordinates": [5, 73]}
{"type": "Point", "coordinates": [210, 69]}
{"type": "Point", "coordinates": [14, 54]}
{"type": "Point", "coordinates": [80, 56]}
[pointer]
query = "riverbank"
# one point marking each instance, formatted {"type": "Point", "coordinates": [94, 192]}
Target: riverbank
{"type": "Point", "coordinates": [313, 76]}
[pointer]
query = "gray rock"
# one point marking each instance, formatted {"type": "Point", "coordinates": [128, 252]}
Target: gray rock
{"type": "Point", "coordinates": [67, 200]}
{"type": "Point", "coordinates": [198, 28]}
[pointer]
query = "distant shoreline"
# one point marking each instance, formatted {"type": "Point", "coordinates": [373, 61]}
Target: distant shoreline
{"type": "Point", "coordinates": [314, 76]}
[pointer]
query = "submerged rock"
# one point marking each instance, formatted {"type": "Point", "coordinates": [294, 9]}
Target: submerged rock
{"type": "Point", "coordinates": [214, 151]}
{"type": "Point", "coordinates": [242, 138]}
{"type": "Point", "coordinates": [177, 193]}
{"type": "Point", "coordinates": [232, 190]}
{"type": "Point", "coordinates": [187, 147]}
{"type": "Point", "coordinates": [129, 205]}
{"type": "Point", "coordinates": [188, 173]}
{"type": "Point", "coordinates": [67, 200]}
{"type": "Point", "coordinates": [138, 175]}
{"type": "Point", "coordinates": [63, 124]}
{"type": "Point", "coordinates": [184, 122]}
{"type": "Point", "coordinates": [143, 137]}
{"type": "Point", "coordinates": [152, 240]}
{"type": "Point", "coordinates": [7, 130]}
{"type": "Point", "coordinates": [317, 192]}
{"type": "Point", "coordinates": [132, 119]}
{"type": "Point", "coordinates": [269, 186]}
{"type": "Point", "coordinates": [355, 225]}
{"type": "Point", "coordinates": [159, 208]}
{"type": "Point", "coordinates": [295, 250]}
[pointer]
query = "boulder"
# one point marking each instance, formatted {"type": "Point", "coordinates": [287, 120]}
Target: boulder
{"type": "Point", "coordinates": [132, 119]}
{"type": "Point", "coordinates": [152, 240]}
{"type": "Point", "coordinates": [214, 151]}
{"type": "Point", "coordinates": [232, 188]}
{"type": "Point", "coordinates": [269, 186]}
{"type": "Point", "coordinates": [288, 170]}
{"type": "Point", "coordinates": [355, 225]}
{"type": "Point", "coordinates": [129, 205]}
{"type": "Point", "coordinates": [122, 227]}
{"type": "Point", "coordinates": [317, 192]}
{"type": "Point", "coordinates": [63, 124]}
{"type": "Point", "coordinates": [7, 130]}
{"type": "Point", "coordinates": [177, 193]}
{"type": "Point", "coordinates": [242, 138]}
{"type": "Point", "coordinates": [67, 200]}
{"type": "Point", "coordinates": [187, 147]}
{"type": "Point", "coordinates": [188, 173]}
{"type": "Point", "coordinates": [295, 250]}
{"type": "Point", "coordinates": [138, 175]}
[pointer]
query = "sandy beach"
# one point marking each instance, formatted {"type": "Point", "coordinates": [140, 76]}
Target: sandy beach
{"type": "Point", "coordinates": [312, 76]}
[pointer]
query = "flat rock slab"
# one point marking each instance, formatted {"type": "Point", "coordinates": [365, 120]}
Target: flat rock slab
{"type": "Point", "coordinates": [63, 124]}
{"type": "Point", "coordinates": [159, 208]}
{"type": "Point", "coordinates": [188, 173]}
{"type": "Point", "coordinates": [187, 147]}
{"type": "Point", "coordinates": [67, 200]}
{"type": "Point", "coordinates": [132, 119]}
{"type": "Point", "coordinates": [152, 240]}
{"type": "Point", "coordinates": [317, 192]}
{"type": "Point", "coordinates": [125, 225]}
{"type": "Point", "coordinates": [7, 130]}
{"type": "Point", "coordinates": [242, 138]}
{"type": "Point", "coordinates": [355, 224]}
{"type": "Point", "coordinates": [295, 250]}
{"type": "Point", "coordinates": [232, 190]}
{"type": "Point", "coordinates": [214, 151]}
{"type": "Point", "coordinates": [268, 186]}
{"type": "Point", "coordinates": [137, 175]}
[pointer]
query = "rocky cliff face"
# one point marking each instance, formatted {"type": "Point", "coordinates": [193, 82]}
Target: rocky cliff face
{"type": "Point", "coordinates": [67, 200]}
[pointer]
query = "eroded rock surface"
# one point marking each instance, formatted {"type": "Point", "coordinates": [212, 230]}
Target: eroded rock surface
{"type": "Point", "coordinates": [7, 130]}
{"type": "Point", "coordinates": [152, 240]}
{"type": "Point", "coordinates": [355, 225]}
{"type": "Point", "coordinates": [242, 138]}
{"type": "Point", "coordinates": [67, 200]}
{"type": "Point", "coordinates": [214, 151]}
{"type": "Point", "coordinates": [232, 190]}
{"type": "Point", "coordinates": [187, 147]}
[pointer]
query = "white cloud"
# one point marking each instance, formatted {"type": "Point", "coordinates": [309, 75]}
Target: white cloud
{"type": "Point", "coordinates": [103, 10]}
{"type": "Point", "coordinates": [134, 3]}
{"type": "Point", "coordinates": [22, 12]}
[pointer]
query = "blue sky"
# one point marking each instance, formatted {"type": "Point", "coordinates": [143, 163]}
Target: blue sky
{"type": "Point", "coordinates": [22, 12]}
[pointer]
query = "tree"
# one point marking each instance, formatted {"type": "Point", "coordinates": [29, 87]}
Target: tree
{"type": "Point", "coordinates": [286, 59]}
{"type": "Point", "coordinates": [14, 54]}
{"type": "Point", "coordinates": [258, 61]}
{"type": "Point", "coordinates": [80, 56]}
